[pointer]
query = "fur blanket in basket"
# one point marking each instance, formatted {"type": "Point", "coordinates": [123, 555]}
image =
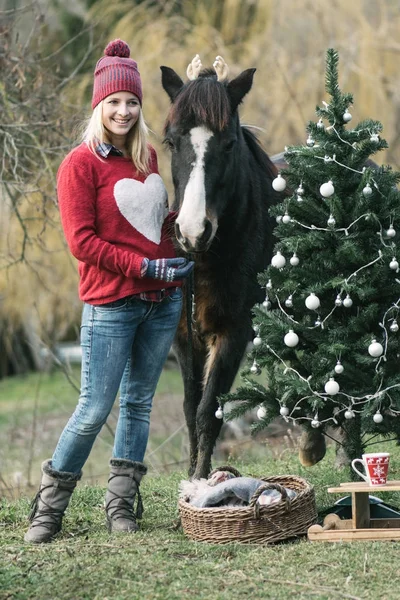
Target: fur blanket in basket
{"type": "Point", "coordinates": [224, 489]}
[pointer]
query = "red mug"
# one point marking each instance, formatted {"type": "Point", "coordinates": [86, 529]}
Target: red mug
{"type": "Point", "coordinates": [376, 467]}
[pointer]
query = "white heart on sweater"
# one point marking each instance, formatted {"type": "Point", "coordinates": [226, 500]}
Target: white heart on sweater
{"type": "Point", "coordinates": [144, 205]}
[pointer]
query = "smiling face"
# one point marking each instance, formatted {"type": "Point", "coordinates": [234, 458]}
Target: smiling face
{"type": "Point", "coordinates": [120, 113]}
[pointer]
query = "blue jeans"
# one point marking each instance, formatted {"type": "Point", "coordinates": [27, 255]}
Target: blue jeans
{"type": "Point", "coordinates": [124, 345]}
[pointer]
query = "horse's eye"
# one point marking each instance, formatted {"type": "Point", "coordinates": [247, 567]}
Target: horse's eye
{"type": "Point", "coordinates": [229, 145]}
{"type": "Point", "coordinates": [169, 143]}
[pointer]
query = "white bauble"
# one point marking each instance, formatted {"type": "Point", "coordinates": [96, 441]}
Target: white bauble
{"type": "Point", "coordinates": [338, 301]}
{"type": "Point", "coordinates": [347, 302]}
{"type": "Point", "coordinates": [289, 301]}
{"type": "Point", "coordinates": [347, 116]}
{"type": "Point", "coordinates": [279, 184]}
{"type": "Point", "coordinates": [291, 339]}
{"type": "Point", "coordinates": [394, 265]}
{"type": "Point", "coordinates": [331, 222]}
{"type": "Point", "coordinates": [349, 414]}
{"type": "Point", "coordinates": [219, 413]}
{"type": "Point", "coordinates": [286, 218]}
{"type": "Point", "coordinates": [313, 302]}
{"type": "Point", "coordinates": [315, 423]}
{"type": "Point", "coordinates": [377, 417]}
{"type": "Point", "coordinates": [310, 142]}
{"type": "Point", "coordinates": [339, 368]}
{"type": "Point", "coordinates": [278, 260]}
{"type": "Point", "coordinates": [294, 261]}
{"type": "Point", "coordinates": [391, 232]}
{"type": "Point", "coordinates": [261, 413]}
{"type": "Point", "coordinates": [266, 304]}
{"type": "Point", "coordinates": [257, 341]}
{"type": "Point", "coordinates": [327, 190]}
{"type": "Point", "coordinates": [255, 369]}
{"type": "Point", "coordinates": [332, 387]}
{"type": "Point", "coordinates": [367, 190]}
{"type": "Point", "coordinates": [375, 349]}
{"type": "Point", "coordinates": [284, 411]}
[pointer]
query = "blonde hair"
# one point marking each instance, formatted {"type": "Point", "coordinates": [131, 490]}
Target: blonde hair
{"type": "Point", "coordinates": [94, 133]}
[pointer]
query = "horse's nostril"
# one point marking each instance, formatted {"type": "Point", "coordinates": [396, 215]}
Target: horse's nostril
{"type": "Point", "coordinates": [177, 231]}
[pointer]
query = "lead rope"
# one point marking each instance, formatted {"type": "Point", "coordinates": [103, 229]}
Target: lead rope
{"type": "Point", "coordinates": [190, 320]}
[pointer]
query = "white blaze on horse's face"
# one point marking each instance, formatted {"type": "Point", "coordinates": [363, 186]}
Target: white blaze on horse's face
{"type": "Point", "coordinates": [193, 220]}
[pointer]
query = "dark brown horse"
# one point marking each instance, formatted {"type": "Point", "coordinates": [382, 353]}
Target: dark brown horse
{"type": "Point", "coordinates": [223, 190]}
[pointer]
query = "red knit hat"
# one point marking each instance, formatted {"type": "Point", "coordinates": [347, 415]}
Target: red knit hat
{"type": "Point", "coordinates": [116, 72]}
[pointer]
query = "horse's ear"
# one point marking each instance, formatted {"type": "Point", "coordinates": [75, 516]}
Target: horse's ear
{"type": "Point", "coordinates": [238, 87]}
{"type": "Point", "coordinates": [171, 82]}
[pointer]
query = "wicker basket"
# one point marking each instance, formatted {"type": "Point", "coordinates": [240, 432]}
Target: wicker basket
{"type": "Point", "coordinates": [254, 524]}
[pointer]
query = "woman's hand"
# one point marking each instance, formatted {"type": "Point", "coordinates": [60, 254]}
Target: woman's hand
{"type": "Point", "coordinates": [169, 269]}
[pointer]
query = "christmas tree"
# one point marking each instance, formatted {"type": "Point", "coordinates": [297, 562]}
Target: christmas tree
{"type": "Point", "coordinates": [327, 334]}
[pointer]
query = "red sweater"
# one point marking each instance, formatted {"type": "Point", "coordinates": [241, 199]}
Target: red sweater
{"type": "Point", "coordinates": [113, 217]}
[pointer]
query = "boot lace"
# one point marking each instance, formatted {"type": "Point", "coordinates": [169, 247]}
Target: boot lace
{"type": "Point", "coordinates": [44, 517]}
{"type": "Point", "coordinates": [124, 509]}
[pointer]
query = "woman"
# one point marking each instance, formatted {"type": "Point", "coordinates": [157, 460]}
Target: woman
{"type": "Point", "coordinates": [114, 213]}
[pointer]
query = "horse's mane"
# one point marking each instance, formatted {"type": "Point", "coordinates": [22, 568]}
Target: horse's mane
{"type": "Point", "coordinates": [203, 101]}
{"type": "Point", "coordinates": [258, 152]}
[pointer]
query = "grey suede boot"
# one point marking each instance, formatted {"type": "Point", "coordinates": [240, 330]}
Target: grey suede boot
{"type": "Point", "coordinates": [49, 504]}
{"type": "Point", "coordinates": [123, 487]}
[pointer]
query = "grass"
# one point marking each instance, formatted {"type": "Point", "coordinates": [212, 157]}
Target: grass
{"type": "Point", "coordinates": [85, 562]}
{"type": "Point", "coordinates": [34, 409]}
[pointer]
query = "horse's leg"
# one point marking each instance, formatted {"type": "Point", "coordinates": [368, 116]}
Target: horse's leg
{"type": "Point", "coordinates": [225, 354]}
{"type": "Point", "coordinates": [192, 367]}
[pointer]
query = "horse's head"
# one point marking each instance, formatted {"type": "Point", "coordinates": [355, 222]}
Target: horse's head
{"type": "Point", "coordinates": [203, 132]}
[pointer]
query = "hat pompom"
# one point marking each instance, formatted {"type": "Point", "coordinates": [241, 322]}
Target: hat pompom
{"type": "Point", "coordinates": [117, 48]}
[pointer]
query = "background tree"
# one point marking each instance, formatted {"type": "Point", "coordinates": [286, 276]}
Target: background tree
{"type": "Point", "coordinates": [327, 332]}
{"type": "Point", "coordinates": [37, 301]}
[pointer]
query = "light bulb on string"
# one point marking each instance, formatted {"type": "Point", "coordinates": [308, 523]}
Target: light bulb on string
{"type": "Point", "coordinates": [394, 326]}
{"type": "Point", "coordinates": [320, 124]}
{"type": "Point", "coordinates": [284, 411]}
{"type": "Point", "coordinates": [374, 138]}
{"type": "Point", "coordinates": [269, 284]}
{"type": "Point", "coordinates": [300, 190]}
